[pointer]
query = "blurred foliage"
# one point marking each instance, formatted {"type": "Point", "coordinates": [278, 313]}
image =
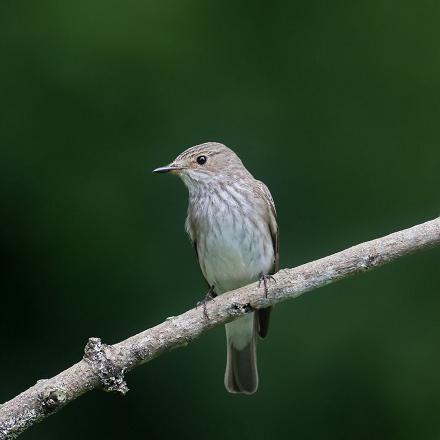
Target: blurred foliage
{"type": "Point", "coordinates": [335, 105]}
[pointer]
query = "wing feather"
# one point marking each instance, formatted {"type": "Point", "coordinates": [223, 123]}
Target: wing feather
{"type": "Point", "coordinates": [192, 236]}
{"type": "Point", "coordinates": [263, 315]}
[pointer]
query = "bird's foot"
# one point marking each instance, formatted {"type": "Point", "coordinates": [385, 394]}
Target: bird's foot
{"type": "Point", "coordinates": [208, 297]}
{"type": "Point", "coordinates": [263, 280]}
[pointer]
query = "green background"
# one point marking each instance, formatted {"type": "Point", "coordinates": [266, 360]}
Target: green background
{"type": "Point", "coordinates": [335, 105]}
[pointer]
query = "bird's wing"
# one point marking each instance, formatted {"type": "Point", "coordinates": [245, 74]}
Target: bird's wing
{"type": "Point", "coordinates": [263, 315]}
{"type": "Point", "coordinates": [192, 236]}
{"type": "Point", "coordinates": [264, 193]}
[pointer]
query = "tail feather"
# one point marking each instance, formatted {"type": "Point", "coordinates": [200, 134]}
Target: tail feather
{"type": "Point", "coordinates": [241, 375]}
{"type": "Point", "coordinates": [263, 318]}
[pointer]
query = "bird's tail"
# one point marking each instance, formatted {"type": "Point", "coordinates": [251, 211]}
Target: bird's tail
{"type": "Point", "coordinates": [241, 375]}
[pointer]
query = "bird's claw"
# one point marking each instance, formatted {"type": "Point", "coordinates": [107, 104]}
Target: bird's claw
{"type": "Point", "coordinates": [263, 279]}
{"type": "Point", "coordinates": [208, 297]}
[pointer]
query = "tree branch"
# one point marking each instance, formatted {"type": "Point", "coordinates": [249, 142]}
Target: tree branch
{"type": "Point", "coordinates": [104, 366]}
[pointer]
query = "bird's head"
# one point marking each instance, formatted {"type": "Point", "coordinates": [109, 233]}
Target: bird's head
{"type": "Point", "coordinates": [205, 163]}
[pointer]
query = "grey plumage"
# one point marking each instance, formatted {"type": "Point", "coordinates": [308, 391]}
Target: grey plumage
{"type": "Point", "coordinates": [232, 224]}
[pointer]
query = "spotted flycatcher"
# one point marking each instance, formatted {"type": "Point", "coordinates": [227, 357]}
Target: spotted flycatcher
{"type": "Point", "coordinates": [232, 224]}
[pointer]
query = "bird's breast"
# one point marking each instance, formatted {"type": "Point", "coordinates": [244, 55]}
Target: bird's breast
{"type": "Point", "coordinates": [234, 244]}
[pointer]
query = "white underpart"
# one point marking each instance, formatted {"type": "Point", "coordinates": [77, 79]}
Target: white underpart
{"type": "Point", "coordinates": [236, 256]}
{"type": "Point", "coordinates": [240, 331]}
{"type": "Point", "coordinates": [233, 240]}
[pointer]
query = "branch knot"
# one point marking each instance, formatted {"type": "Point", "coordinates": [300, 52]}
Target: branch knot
{"type": "Point", "coordinates": [111, 376]}
{"type": "Point", "coordinates": [52, 400]}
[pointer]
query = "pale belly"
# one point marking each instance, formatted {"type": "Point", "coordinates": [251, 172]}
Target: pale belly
{"type": "Point", "coordinates": [236, 255]}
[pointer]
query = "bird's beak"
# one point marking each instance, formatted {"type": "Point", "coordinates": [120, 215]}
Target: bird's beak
{"type": "Point", "coordinates": [167, 169]}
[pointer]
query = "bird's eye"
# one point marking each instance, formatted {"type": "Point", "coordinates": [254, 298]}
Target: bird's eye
{"type": "Point", "coordinates": [201, 160]}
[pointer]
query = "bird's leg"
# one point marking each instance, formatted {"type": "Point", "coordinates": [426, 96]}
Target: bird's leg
{"type": "Point", "coordinates": [263, 279]}
{"type": "Point", "coordinates": [208, 297]}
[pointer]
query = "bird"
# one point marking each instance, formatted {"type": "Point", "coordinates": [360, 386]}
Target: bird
{"type": "Point", "coordinates": [232, 223]}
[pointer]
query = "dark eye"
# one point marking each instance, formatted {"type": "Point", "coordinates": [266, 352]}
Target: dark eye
{"type": "Point", "coordinates": [201, 160]}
